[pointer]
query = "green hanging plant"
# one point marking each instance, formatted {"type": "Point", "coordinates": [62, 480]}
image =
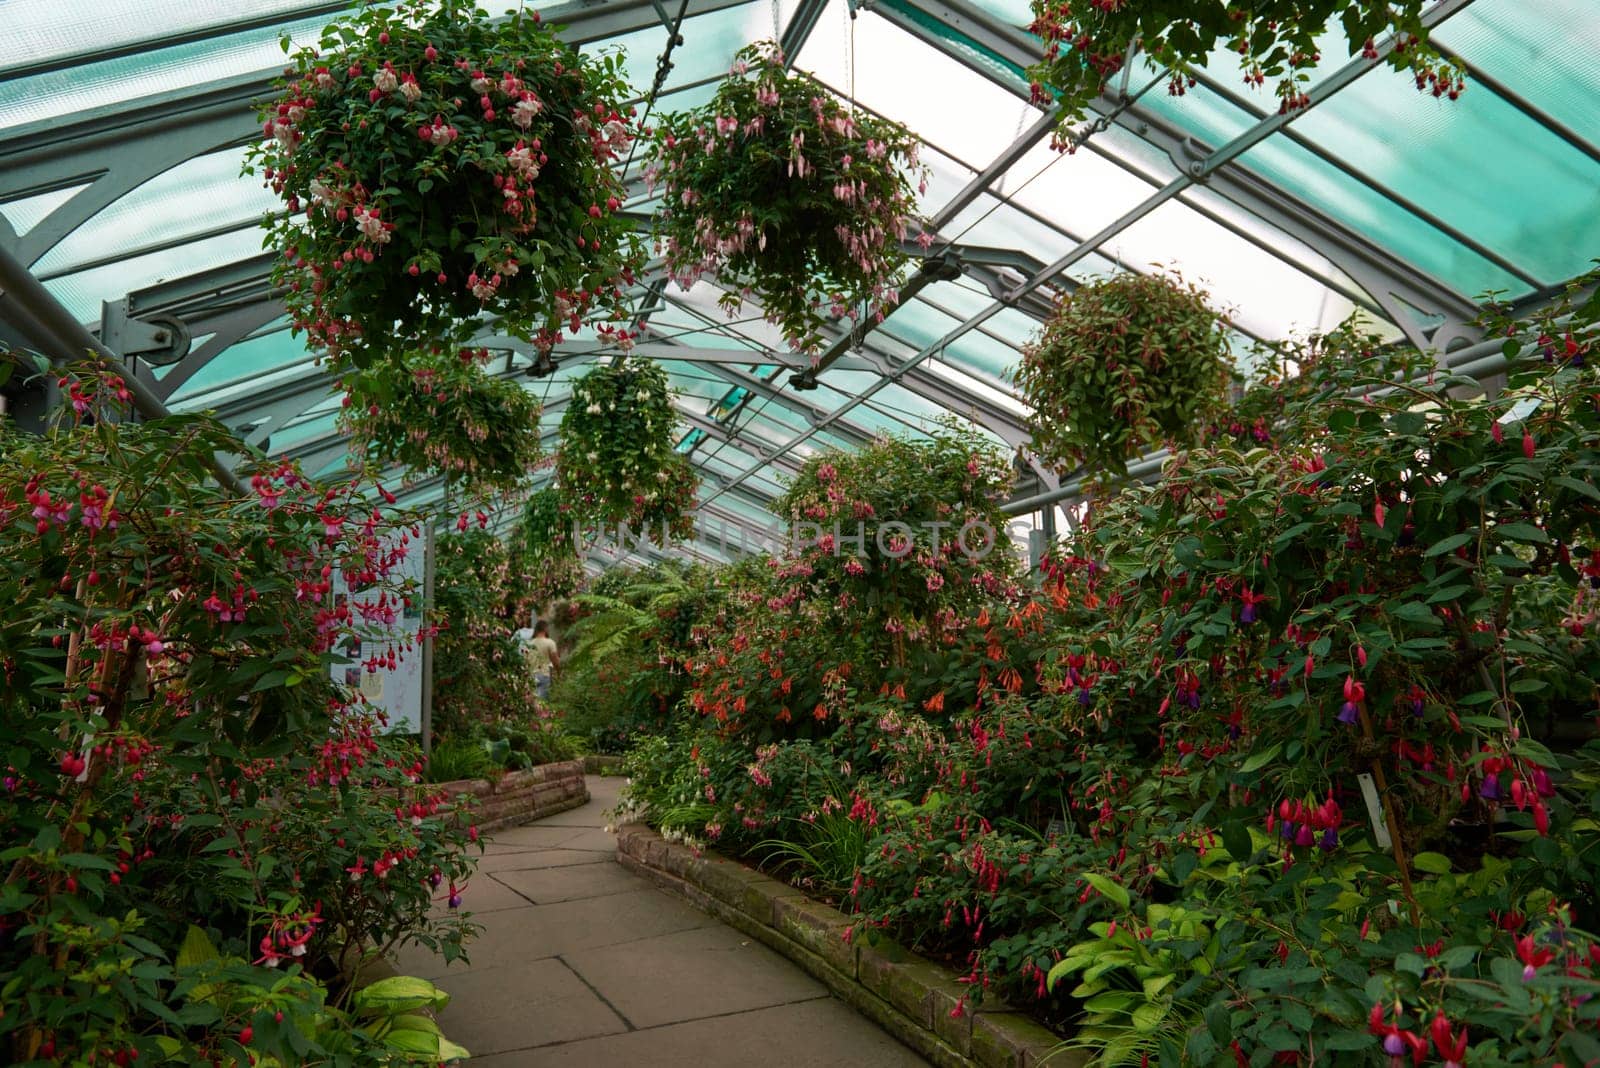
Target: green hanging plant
{"type": "Point", "coordinates": [616, 462]}
{"type": "Point", "coordinates": [544, 558]}
{"type": "Point", "coordinates": [1087, 42]}
{"type": "Point", "coordinates": [777, 190]}
{"type": "Point", "coordinates": [1126, 363]}
{"type": "Point", "coordinates": [439, 167]}
{"type": "Point", "coordinates": [444, 413]}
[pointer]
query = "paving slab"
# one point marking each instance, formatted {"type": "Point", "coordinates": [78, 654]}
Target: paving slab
{"type": "Point", "coordinates": [690, 975]}
{"type": "Point", "coordinates": [583, 963]}
{"type": "Point", "coordinates": [822, 1033]}
{"type": "Point", "coordinates": [545, 886]}
{"type": "Point", "coordinates": [542, 931]}
{"type": "Point", "coordinates": [493, 863]}
{"type": "Point", "coordinates": [482, 894]}
{"type": "Point", "coordinates": [526, 1004]}
{"type": "Point", "coordinates": [533, 836]}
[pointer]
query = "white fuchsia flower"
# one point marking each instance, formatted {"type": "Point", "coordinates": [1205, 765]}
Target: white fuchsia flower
{"type": "Point", "coordinates": [410, 89]}
{"type": "Point", "coordinates": [386, 81]}
{"type": "Point", "coordinates": [527, 109]}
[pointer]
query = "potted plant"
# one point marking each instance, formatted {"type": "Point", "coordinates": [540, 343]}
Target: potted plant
{"type": "Point", "coordinates": [440, 167]}
{"type": "Point", "coordinates": [1125, 363]}
{"type": "Point", "coordinates": [780, 191]}
{"type": "Point", "coordinates": [443, 412]}
{"type": "Point", "coordinates": [616, 462]}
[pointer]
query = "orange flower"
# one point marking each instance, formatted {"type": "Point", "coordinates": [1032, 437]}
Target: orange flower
{"type": "Point", "coordinates": [983, 617]}
{"type": "Point", "coordinates": [935, 703]}
{"type": "Point", "coordinates": [783, 714]}
{"type": "Point", "coordinates": [820, 712]}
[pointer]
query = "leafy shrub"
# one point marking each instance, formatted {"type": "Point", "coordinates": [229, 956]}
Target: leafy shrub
{"type": "Point", "coordinates": [175, 748]}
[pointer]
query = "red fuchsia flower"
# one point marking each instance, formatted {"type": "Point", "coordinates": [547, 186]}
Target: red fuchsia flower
{"type": "Point", "coordinates": [1527, 444]}
{"type": "Point", "coordinates": [1533, 957]}
{"type": "Point", "coordinates": [1354, 694]}
{"type": "Point", "coordinates": [1397, 1042]}
{"type": "Point", "coordinates": [1247, 614]}
{"type": "Point", "coordinates": [1451, 1046]}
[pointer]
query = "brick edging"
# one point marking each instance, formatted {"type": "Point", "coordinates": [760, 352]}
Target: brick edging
{"type": "Point", "coordinates": [520, 797]}
{"type": "Point", "coordinates": [908, 996]}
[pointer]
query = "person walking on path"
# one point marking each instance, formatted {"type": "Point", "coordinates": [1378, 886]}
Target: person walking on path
{"type": "Point", "coordinates": [540, 651]}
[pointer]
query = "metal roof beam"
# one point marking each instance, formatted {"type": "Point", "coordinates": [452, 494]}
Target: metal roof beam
{"type": "Point", "coordinates": [118, 148]}
{"type": "Point", "coordinates": [1370, 265]}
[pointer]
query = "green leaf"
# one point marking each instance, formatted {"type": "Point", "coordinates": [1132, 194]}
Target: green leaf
{"type": "Point", "coordinates": [1147, 1018]}
{"type": "Point", "coordinates": [197, 948]}
{"type": "Point", "coordinates": [1432, 863]}
{"type": "Point", "coordinates": [1236, 838]}
{"type": "Point", "coordinates": [1522, 532]}
{"type": "Point", "coordinates": [399, 994]}
{"type": "Point", "coordinates": [1450, 544]}
{"type": "Point", "coordinates": [1108, 888]}
{"type": "Point", "coordinates": [1260, 758]}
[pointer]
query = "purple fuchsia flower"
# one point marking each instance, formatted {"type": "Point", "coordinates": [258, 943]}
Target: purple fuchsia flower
{"type": "Point", "coordinates": [1354, 694]}
{"type": "Point", "coordinates": [1489, 789]}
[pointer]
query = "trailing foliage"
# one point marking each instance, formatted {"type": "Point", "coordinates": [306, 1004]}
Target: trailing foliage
{"type": "Point", "coordinates": [617, 463]}
{"type": "Point", "coordinates": [1089, 41]}
{"type": "Point", "coordinates": [445, 414]}
{"type": "Point", "coordinates": [776, 189]}
{"type": "Point", "coordinates": [176, 753]}
{"type": "Point", "coordinates": [1124, 364]}
{"type": "Point", "coordinates": [544, 558]}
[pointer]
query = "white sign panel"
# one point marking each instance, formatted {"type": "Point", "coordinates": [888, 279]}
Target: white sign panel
{"type": "Point", "coordinates": [385, 665]}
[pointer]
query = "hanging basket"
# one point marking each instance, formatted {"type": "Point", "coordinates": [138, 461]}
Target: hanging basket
{"type": "Point", "coordinates": [617, 463]}
{"type": "Point", "coordinates": [1125, 363]}
{"type": "Point", "coordinates": [439, 167]}
{"type": "Point", "coordinates": [776, 190]}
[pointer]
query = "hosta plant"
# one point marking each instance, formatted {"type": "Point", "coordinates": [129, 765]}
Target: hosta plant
{"type": "Point", "coordinates": [1125, 363]}
{"type": "Point", "coordinates": [1089, 41]}
{"type": "Point", "coordinates": [617, 463]}
{"type": "Point", "coordinates": [439, 166]}
{"type": "Point", "coordinates": [777, 189]}
{"type": "Point", "coordinates": [444, 413]}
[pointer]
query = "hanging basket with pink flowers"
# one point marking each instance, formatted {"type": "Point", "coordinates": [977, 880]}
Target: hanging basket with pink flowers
{"type": "Point", "coordinates": [446, 413]}
{"type": "Point", "coordinates": [438, 167]}
{"type": "Point", "coordinates": [776, 189]}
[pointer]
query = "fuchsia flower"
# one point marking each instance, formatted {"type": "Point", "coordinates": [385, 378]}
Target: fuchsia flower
{"type": "Point", "coordinates": [1354, 694]}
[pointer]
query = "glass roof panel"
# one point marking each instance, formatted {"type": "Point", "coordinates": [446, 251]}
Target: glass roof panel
{"type": "Point", "coordinates": [1530, 197]}
{"type": "Point", "coordinates": [41, 30]}
{"type": "Point", "coordinates": [83, 292]}
{"type": "Point", "coordinates": [888, 61]}
{"type": "Point", "coordinates": [164, 209]}
{"type": "Point", "coordinates": [1509, 40]}
{"type": "Point", "coordinates": [93, 86]}
{"type": "Point", "coordinates": [256, 358]}
{"type": "Point", "coordinates": [25, 213]}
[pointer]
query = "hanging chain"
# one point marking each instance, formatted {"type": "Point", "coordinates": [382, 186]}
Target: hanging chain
{"type": "Point", "coordinates": [777, 24]}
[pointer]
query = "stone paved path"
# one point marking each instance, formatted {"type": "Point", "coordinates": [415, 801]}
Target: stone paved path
{"type": "Point", "coordinates": [584, 964]}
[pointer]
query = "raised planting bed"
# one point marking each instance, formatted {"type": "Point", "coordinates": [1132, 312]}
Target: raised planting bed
{"type": "Point", "coordinates": [910, 997]}
{"type": "Point", "coordinates": [600, 764]}
{"type": "Point", "coordinates": [519, 797]}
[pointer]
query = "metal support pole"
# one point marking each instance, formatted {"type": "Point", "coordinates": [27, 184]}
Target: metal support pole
{"type": "Point", "coordinates": [60, 336]}
{"type": "Point", "coordinates": [427, 643]}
